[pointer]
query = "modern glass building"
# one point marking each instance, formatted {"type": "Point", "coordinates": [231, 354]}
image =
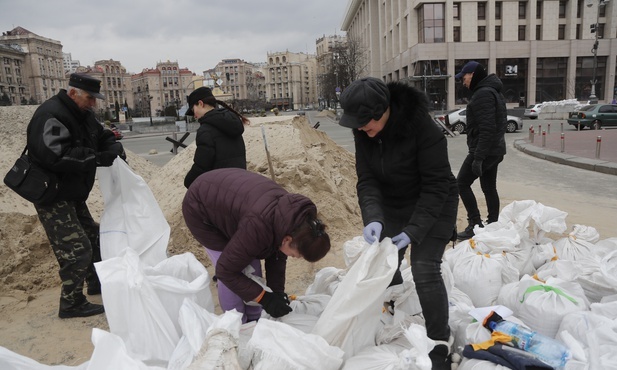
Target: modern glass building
{"type": "Point", "coordinates": [543, 50]}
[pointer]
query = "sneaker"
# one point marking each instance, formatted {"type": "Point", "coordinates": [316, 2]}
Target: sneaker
{"type": "Point", "coordinates": [83, 310]}
{"type": "Point", "coordinates": [440, 357]}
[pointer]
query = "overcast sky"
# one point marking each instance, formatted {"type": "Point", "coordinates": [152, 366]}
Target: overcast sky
{"type": "Point", "coordinates": [196, 33]}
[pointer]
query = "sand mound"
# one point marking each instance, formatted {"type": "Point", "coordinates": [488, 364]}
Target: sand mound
{"type": "Point", "coordinates": [304, 160]}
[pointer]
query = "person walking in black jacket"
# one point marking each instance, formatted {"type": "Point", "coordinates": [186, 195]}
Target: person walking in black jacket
{"type": "Point", "coordinates": [219, 136]}
{"type": "Point", "coordinates": [486, 127]}
{"type": "Point", "coordinates": [65, 138]}
{"type": "Point", "coordinates": [406, 189]}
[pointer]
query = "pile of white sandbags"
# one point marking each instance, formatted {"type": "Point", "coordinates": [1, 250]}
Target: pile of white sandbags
{"type": "Point", "coordinates": [565, 288]}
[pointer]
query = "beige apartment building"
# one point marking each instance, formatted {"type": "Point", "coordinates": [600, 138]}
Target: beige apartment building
{"type": "Point", "coordinates": [155, 89]}
{"type": "Point", "coordinates": [291, 80]}
{"type": "Point", "coordinates": [41, 75]}
{"type": "Point", "coordinates": [240, 79]}
{"type": "Point", "coordinates": [543, 50]}
{"type": "Point", "coordinates": [12, 80]}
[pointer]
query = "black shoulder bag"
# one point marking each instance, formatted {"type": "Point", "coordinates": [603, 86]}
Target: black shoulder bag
{"type": "Point", "coordinates": [30, 181]}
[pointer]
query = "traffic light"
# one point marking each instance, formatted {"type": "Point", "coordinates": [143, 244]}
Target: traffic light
{"type": "Point", "coordinates": [593, 28]}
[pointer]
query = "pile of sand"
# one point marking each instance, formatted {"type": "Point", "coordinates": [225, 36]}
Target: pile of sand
{"type": "Point", "coordinates": [304, 160]}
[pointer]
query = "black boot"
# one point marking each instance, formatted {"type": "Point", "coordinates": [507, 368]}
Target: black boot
{"type": "Point", "coordinates": [83, 309]}
{"type": "Point", "coordinates": [468, 232]}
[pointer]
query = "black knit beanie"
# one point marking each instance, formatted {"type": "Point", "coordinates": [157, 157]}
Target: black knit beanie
{"type": "Point", "coordinates": [479, 74]}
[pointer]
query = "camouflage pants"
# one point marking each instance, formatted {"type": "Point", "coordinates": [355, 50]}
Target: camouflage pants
{"type": "Point", "coordinates": [74, 238]}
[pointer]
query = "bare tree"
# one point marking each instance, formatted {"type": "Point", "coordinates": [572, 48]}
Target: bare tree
{"type": "Point", "coordinates": [347, 62]}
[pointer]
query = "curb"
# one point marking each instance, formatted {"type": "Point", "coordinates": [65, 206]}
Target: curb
{"type": "Point", "coordinates": [596, 165]}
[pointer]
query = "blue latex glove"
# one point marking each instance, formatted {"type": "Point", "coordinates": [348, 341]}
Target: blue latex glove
{"type": "Point", "coordinates": [372, 232]}
{"type": "Point", "coordinates": [476, 167]}
{"type": "Point", "coordinates": [401, 240]}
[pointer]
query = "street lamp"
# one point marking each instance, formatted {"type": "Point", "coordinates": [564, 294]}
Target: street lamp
{"type": "Point", "coordinates": [593, 99]}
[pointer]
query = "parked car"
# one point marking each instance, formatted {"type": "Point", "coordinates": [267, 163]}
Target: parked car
{"type": "Point", "coordinates": [456, 120]}
{"type": "Point", "coordinates": [533, 111]}
{"type": "Point", "coordinates": [595, 116]}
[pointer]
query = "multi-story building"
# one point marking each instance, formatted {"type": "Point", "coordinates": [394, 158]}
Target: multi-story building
{"type": "Point", "coordinates": [43, 71]}
{"type": "Point", "coordinates": [327, 86]}
{"type": "Point", "coordinates": [291, 80]}
{"type": "Point", "coordinates": [541, 49]}
{"type": "Point", "coordinates": [241, 80]}
{"type": "Point", "coordinates": [13, 86]}
{"type": "Point", "coordinates": [161, 87]}
{"type": "Point", "coordinates": [70, 65]}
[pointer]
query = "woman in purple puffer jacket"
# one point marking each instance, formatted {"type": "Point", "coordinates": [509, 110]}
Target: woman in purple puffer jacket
{"type": "Point", "coordinates": [241, 218]}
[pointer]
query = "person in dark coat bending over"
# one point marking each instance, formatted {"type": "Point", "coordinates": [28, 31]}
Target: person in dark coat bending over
{"type": "Point", "coordinates": [406, 189]}
{"type": "Point", "coordinates": [486, 127]}
{"type": "Point", "coordinates": [219, 136]}
{"type": "Point", "coordinates": [241, 218]}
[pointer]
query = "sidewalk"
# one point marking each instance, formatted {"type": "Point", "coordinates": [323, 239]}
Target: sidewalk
{"type": "Point", "coordinates": [579, 147]}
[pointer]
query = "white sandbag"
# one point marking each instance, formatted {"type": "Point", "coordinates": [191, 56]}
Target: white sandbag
{"type": "Point", "coordinates": [603, 347]}
{"type": "Point", "coordinates": [279, 346]}
{"type": "Point", "coordinates": [194, 322]}
{"type": "Point", "coordinates": [580, 323]}
{"type": "Point", "coordinates": [481, 277]}
{"type": "Point", "coordinates": [604, 247]}
{"type": "Point", "coordinates": [498, 237]}
{"type": "Point", "coordinates": [547, 220]}
{"type": "Point", "coordinates": [562, 269]}
{"type": "Point", "coordinates": [310, 304]}
{"type": "Point", "coordinates": [518, 213]}
{"type": "Point", "coordinates": [353, 249]}
{"type": "Point", "coordinates": [351, 319]}
{"type": "Point", "coordinates": [574, 247]}
{"type": "Point", "coordinates": [142, 303]}
{"type": "Point", "coordinates": [132, 217]}
{"type": "Point", "coordinates": [220, 346]}
{"type": "Point", "coordinates": [599, 279]}
{"type": "Point", "coordinates": [391, 357]}
{"type": "Point", "coordinates": [543, 306]}
{"type": "Point", "coordinates": [462, 250]}
{"type": "Point", "coordinates": [10, 360]}
{"type": "Point", "coordinates": [110, 352]}
{"type": "Point", "coordinates": [178, 277]}
{"type": "Point", "coordinates": [541, 254]}
{"type": "Point", "coordinates": [300, 321]}
{"type": "Point", "coordinates": [606, 308]}
{"type": "Point", "coordinates": [326, 281]}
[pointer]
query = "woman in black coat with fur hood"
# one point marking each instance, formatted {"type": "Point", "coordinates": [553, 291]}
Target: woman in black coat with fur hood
{"type": "Point", "coordinates": [406, 189]}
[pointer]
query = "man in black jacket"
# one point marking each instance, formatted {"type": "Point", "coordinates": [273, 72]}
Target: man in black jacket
{"type": "Point", "coordinates": [406, 189]}
{"type": "Point", "coordinates": [486, 127]}
{"type": "Point", "coordinates": [65, 138]}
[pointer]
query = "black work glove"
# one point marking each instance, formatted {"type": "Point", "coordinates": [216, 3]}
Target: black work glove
{"type": "Point", "coordinates": [105, 159]}
{"type": "Point", "coordinates": [275, 304]}
{"type": "Point", "coordinates": [476, 167]}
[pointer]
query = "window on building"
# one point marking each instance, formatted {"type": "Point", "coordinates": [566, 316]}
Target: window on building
{"type": "Point", "coordinates": [497, 33]}
{"type": "Point", "coordinates": [602, 10]}
{"type": "Point", "coordinates": [538, 32]}
{"type": "Point", "coordinates": [431, 23]}
{"type": "Point", "coordinates": [539, 10]}
{"type": "Point", "coordinates": [498, 9]}
{"type": "Point", "coordinates": [521, 33]}
{"type": "Point", "coordinates": [481, 10]}
{"type": "Point", "coordinates": [561, 33]}
{"type": "Point", "coordinates": [522, 9]}
{"type": "Point", "coordinates": [456, 34]}
{"type": "Point", "coordinates": [456, 10]}
{"type": "Point", "coordinates": [481, 33]}
{"type": "Point", "coordinates": [600, 30]}
{"type": "Point", "coordinates": [562, 9]}
{"type": "Point", "coordinates": [578, 31]}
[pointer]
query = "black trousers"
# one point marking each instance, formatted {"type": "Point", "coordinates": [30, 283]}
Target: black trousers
{"type": "Point", "coordinates": [74, 237]}
{"type": "Point", "coordinates": [488, 183]}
